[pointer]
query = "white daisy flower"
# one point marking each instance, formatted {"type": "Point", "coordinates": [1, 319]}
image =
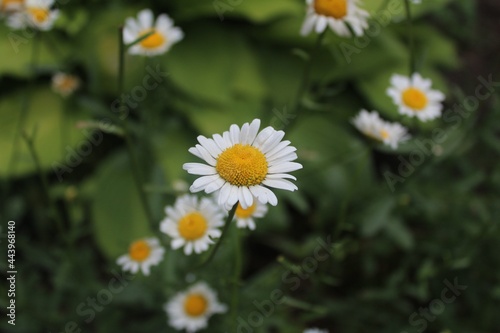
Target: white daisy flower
{"type": "Point", "coordinates": [191, 309]}
{"type": "Point", "coordinates": [142, 254]}
{"type": "Point", "coordinates": [65, 84]}
{"type": "Point", "coordinates": [9, 6]}
{"type": "Point", "coordinates": [415, 98]}
{"type": "Point", "coordinates": [374, 127]}
{"type": "Point", "coordinates": [241, 163]}
{"type": "Point", "coordinates": [245, 216]}
{"type": "Point", "coordinates": [36, 14]}
{"type": "Point", "coordinates": [191, 223]}
{"type": "Point", "coordinates": [336, 14]}
{"type": "Point", "coordinates": [163, 36]}
{"type": "Point", "coordinates": [315, 330]}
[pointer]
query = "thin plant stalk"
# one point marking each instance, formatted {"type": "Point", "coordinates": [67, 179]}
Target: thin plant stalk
{"type": "Point", "coordinates": [411, 37]}
{"type": "Point", "coordinates": [306, 77]}
{"type": "Point", "coordinates": [229, 218]}
{"type": "Point", "coordinates": [236, 277]}
{"type": "Point", "coordinates": [128, 140]}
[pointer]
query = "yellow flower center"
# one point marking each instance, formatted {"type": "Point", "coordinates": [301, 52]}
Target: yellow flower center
{"type": "Point", "coordinates": [192, 226]}
{"type": "Point", "coordinates": [243, 213]}
{"type": "Point", "coordinates": [195, 305]}
{"type": "Point", "coordinates": [152, 41]}
{"type": "Point", "coordinates": [139, 250]}
{"type": "Point", "coordinates": [39, 15]}
{"type": "Point", "coordinates": [415, 99]}
{"type": "Point", "coordinates": [242, 165]}
{"type": "Point", "coordinates": [332, 8]}
{"type": "Point", "coordinates": [384, 134]}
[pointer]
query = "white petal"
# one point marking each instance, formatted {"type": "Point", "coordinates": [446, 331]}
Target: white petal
{"type": "Point", "coordinates": [200, 183]}
{"type": "Point", "coordinates": [285, 167]}
{"type": "Point", "coordinates": [210, 145]}
{"type": "Point", "coordinates": [280, 183]}
{"type": "Point", "coordinates": [199, 169]}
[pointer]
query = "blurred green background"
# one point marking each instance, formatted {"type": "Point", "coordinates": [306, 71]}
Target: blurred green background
{"type": "Point", "coordinates": [392, 247]}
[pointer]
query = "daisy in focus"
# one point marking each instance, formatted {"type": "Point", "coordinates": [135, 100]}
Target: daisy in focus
{"type": "Point", "coordinates": [191, 309]}
{"type": "Point", "coordinates": [336, 14]}
{"type": "Point", "coordinates": [374, 127]}
{"type": "Point", "coordinates": [415, 98]}
{"type": "Point", "coordinates": [65, 84]}
{"type": "Point", "coordinates": [315, 330]}
{"type": "Point", "coordinates": [242, 164]}
{"type": "Point", "coordinates": [163, 33]}
{"type": "Point", "coordinates": [36, 14]}
{"type": "Point", "coordinates": [245, 216]}
{"type": "Point", "coordinates": [192, 223]}
{"type": "Point", "coordinates": [142, 254]}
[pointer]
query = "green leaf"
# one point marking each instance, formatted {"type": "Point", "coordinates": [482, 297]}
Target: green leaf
{"type": "Point", "coordinates": [46, 116]}
{"type": "Point", "coordinates": [118, 217]}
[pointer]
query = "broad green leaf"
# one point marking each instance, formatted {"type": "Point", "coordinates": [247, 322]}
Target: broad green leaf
{"type": "Point", "coordinates": [117, 215]}
{"type": "Point", "coordinates": [57, 140]}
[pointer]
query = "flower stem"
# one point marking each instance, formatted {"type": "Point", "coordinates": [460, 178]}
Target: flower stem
{"type": "Point", "coordinates": [236, 278]}
{"type": "Point", "coordinates": [306, 77]}
{"type": "Point", "coordinates": [25, 106]}
{"type": "Point", "coordinates": [45, 184]}
{"type": "Point", "coordinates": [411, 37]}
{"type": "Point", "coordinates": [229, 218]}
{"type": "Point", "coordinates": [128, 140]}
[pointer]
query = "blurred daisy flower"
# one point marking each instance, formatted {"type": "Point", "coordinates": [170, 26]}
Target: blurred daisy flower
{"type": "Point", "coordinates": [242, 164]}
{"type": "Point", "coordinates": [245, 216]}
{"type": "Point", "coordinates": [416, 1]}
{"type": "Point", "coordinates": [191, 309]}
{"type": "Point", "coordinates": [315, 330]}
{"type": "Point", "coordinates": [374, 127]}
{"type": "Point", "coordinates": [142, 254]}
{"type": "Point", "coordinates": [339, 15]}
{"type": "Point", "coordinates": [191, 223]}
{"type": "Point", "coordinates": [163, 33]}
{"type": "Point", "coordinates": [65, 84]}
{"type": "Point", "coordinates": [36, 14]}
{"type": "Point", "coordinates": [9, 6]}
{"type": "Point", "coordinates": [414, 96]}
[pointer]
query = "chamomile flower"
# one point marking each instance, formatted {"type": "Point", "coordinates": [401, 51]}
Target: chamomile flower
{"type": "Point", "coordinates": [315, 330]}
{"type": "Point", "coordinates": [163, 33]}
{"type": "Point", "coordinates": [65, 84]}
{"type": "Point", "coordinates": [191, 309]}
{"type": "Point", "coordinates": [191, 223]}
{"type": "Point", "coordinates": [336, 14]}
{"type": "Point", "coordinates": [245, 216]}
{"type": "Point", "coordinates": [36, 14]}
{"type": "Point", "coordinates": [242, 164]}
{"type": "Point", "coordinates": [9, 6]}
{"type": "Point", "coordinates": [414, 96]}
{"type": "Point", "coordinates": [142, 254]}
{"type": "Point", "coordinates": [371, 125]}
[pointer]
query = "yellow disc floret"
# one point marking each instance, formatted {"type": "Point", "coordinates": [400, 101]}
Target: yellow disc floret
{"type": "Point", "coordinates": [139, 250]}
{"type": "Point", "coordinates": [39, 15]}
{"type": "Point", "coordinates": [243, 213]}
{"type": "Point", "coordinates": [331, 8]}
{"type": "Point", "coordinates": [153, 41]}
{"type": "Point", "coordinates": [242, 165]}
{"type": "Point", "coordinates": [415, 99]}
{"type": "Point", "coordinates": [192, 226]}
{"type": "Point", "coordinates": [195, 305]}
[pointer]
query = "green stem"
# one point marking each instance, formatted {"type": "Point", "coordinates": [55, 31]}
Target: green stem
{"type": "Point", "coordinates": [229, 219]}
{"type": "Point", "coordinates": [45, 184]}
{"type": "Point", "coordinates": [306, 77]}
{"type": "Point", "coordinates": [25, 106]}
{"type": "Point", "coordinates": [236, 278]}
{"type": "Point", "coordinates": [411, 38]}
{"type": "Point", "coordinates": [128, 139]}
